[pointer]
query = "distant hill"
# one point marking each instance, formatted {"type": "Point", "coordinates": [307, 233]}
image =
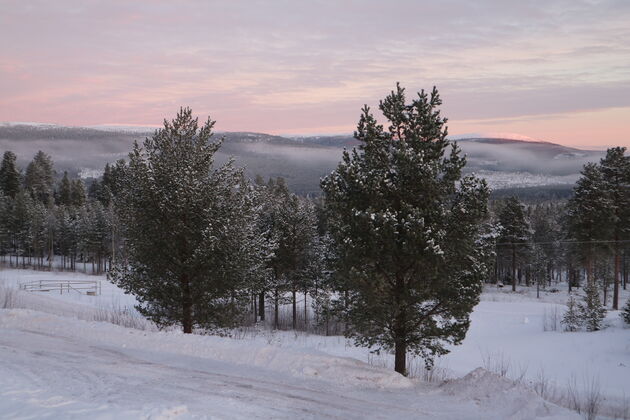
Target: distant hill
{"type": "Point", "coordinates": [505, 163]}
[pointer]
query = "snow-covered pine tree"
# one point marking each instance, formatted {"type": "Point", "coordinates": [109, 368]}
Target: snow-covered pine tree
{"type": "Point", "coordinates": [615, 169]}
{"type": "Point", "coordinates": [64, 191]}
{"type": "Point", "coordinates": [77, 193]}
{"type": "Point", "coordinates": [514, 234]}
{"type": "Point", "coordinates": [188, 226]}
{"type": "Point", "coordinates": [9, 175]}
{"type": "Point", "coordinates": [572, 319]}
{"type": "Point", "coordinates": [406, 225]}
{"type": "Point", "coordinates": [625, 313]}
{"type": "Point", "coordinates": [39, 178]}
{"type": "Point", "coordinates": [592, 312]}
{"type": "Point", "coordinates": [589, 217]}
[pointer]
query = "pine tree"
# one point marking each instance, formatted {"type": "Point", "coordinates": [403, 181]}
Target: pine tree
{"type": "Point", "coordinates": [9, 175]}
{"type": "Point", "coordinates": [625, 313]}
{"type": "Point", "coordinates": [589, 217]}
{"type": "Point", "coordinates": [514, 234]}
{"type": "Point", "coordinates": [572, 319]}
{"type": "Point", "coordinates": [39, 178]}
{"type": "Point", "coordinates": [77, 193]}
{"type": "Point", "coordinates": [406, 227]}
{"type": "Point", "coordinates": [64, 193]}
{"type": "Point", "coordinates": [615, 169]}
{"type": "Point", "coordinates": [592, 312]}
{"type": "Point", "coordinates": [189, 232]}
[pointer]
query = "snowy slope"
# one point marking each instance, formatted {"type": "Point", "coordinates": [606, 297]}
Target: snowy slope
{"type": "Point", "coordinates": [58, 366]}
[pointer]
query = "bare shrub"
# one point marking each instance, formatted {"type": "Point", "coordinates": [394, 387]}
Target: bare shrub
{"type": "Point", "coordinates": [497, 362]}
{"type": "Point", "coordinates": [587, 399]}
{"type": "Point", "coordinates": [241, 333]}
{"type": "Point", "coordinates": [123, 316]}
{"type": "Point", "coordinates": [621, 410]}
{"type": "Point", "coordinates": [8, 298]}
{"type": "Point", "coordinates": [541, 386]}
{"type": "Point", "coordinates": [522, 373]}
{"type": "Point", "coordinates": [377, 360]}
{"type": "Point", "coordinates": [417, 369]}
{"type": "Point", "coordinates": [551, 319]}
{"type": "Point", "coordinates": [592, 398]}
{"type": "Point", "coordinates": [572, 398]}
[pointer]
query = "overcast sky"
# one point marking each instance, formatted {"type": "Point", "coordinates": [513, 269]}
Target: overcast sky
{"type": "Point", "coordinates": [552, 70]}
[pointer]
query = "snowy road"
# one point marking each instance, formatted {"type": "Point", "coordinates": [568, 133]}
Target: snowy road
{"type": "Point", "coordinates": [57, 367]}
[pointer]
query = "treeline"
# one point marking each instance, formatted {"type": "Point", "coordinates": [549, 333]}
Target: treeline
{"type": "Point", "coordinates": [583, 239]}
{"type": "Point", "coordinates": [46, 222]}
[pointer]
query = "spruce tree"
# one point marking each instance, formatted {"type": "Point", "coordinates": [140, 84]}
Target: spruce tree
{"type": "Point", "coordinates": [406, 226]}
{"type": "Point", "coordinates": [189, 229]}
{"type": "Point", "coordinates": [572, 319]}
{"type": "Point", "coordinates": [592, 312]}
{"type": "Point", "coordinates": [9, 175]}
{"type": "Point", "coordinates": [625, 313]}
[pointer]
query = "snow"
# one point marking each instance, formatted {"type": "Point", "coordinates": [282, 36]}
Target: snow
{"type": "Point", "coordinates": [508, 327]}
{"type": "Point", "coordinates": [56, 361]}
{"type": "Point", "coordinates": [498, 393]}
{"type": "Point", "coordinates": [505, 179]}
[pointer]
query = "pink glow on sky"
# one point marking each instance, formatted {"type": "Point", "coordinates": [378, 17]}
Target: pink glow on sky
{"type": "Point", "coordinates": [557, 70]}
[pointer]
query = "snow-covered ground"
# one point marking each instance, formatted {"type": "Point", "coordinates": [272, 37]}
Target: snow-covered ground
{"type": "Point", "coordinates": [56, 361]}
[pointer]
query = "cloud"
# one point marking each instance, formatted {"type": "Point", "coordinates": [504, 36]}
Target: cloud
{"type": "Point", "coordinates": [283, 66]}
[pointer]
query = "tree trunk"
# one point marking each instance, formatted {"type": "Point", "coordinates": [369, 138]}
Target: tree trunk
{"type": "Point", "coordinates": [254, 308]}
{"type": "Point", "coordinates": [294, 309]}
{"type": "Point", "coordinates": [276, 324]}
{"type": "Point", "coordinates": [305, 312]}
{"type": "Point", "coordinates": [513, 268]}
{"type": "Point", "coordinates": [615, 303]}
{"type": "Point", "coordinates": [261, 306]}
{"type": "Point", "coordinates": [187, 321]}
{"type": "Point", "coordinates": [400, 362]}
{"type": "Point", "coordinates": [625, 271]}
{"type": "Point", "coordinates": [589, 270]}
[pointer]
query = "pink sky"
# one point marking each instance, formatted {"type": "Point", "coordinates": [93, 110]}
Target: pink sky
{"type": "Point", "coordinates": [554, 70]}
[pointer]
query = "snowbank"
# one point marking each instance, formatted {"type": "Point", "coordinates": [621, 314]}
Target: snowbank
{"type": "Point", "coordinates": [308, 362]}
{"type": "Point", "coordinates": [514, 401]}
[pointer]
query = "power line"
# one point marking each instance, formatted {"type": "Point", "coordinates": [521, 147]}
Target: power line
{"type": "Point", "coordinates": [564, 242]}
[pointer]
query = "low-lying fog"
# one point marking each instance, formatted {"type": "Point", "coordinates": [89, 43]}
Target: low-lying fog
{"type": "Point", "coordinates": [303, 162]}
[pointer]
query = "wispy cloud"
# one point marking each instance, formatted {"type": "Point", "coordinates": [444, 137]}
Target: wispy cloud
{"type": "Point", "coordinates": [286, 66]}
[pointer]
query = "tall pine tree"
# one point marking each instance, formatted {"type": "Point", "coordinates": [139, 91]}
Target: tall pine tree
{"type": "Point", "coordinates": [189, 228]}
{"type": "Point", "coordinates": [514, 233]}
{"type": "Point", "coordinates": [406, 227]}
{"type": "Point", "coordinates": [9, 175]}
{"type": "Point", "coordinates": [615, 169]}
{"type": "Point", "coordinates": [39, 178]}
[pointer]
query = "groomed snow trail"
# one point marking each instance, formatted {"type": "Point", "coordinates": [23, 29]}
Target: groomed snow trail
{"type": "Point", "coordinates": [59, 367]}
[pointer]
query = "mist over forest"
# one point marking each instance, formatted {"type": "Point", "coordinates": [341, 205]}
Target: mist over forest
{"type": "Point", "coordinates": [507, 164]}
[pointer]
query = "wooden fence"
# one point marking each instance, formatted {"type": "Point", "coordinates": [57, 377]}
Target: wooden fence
{"type": "Point", "coordinates": [83, 287]}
